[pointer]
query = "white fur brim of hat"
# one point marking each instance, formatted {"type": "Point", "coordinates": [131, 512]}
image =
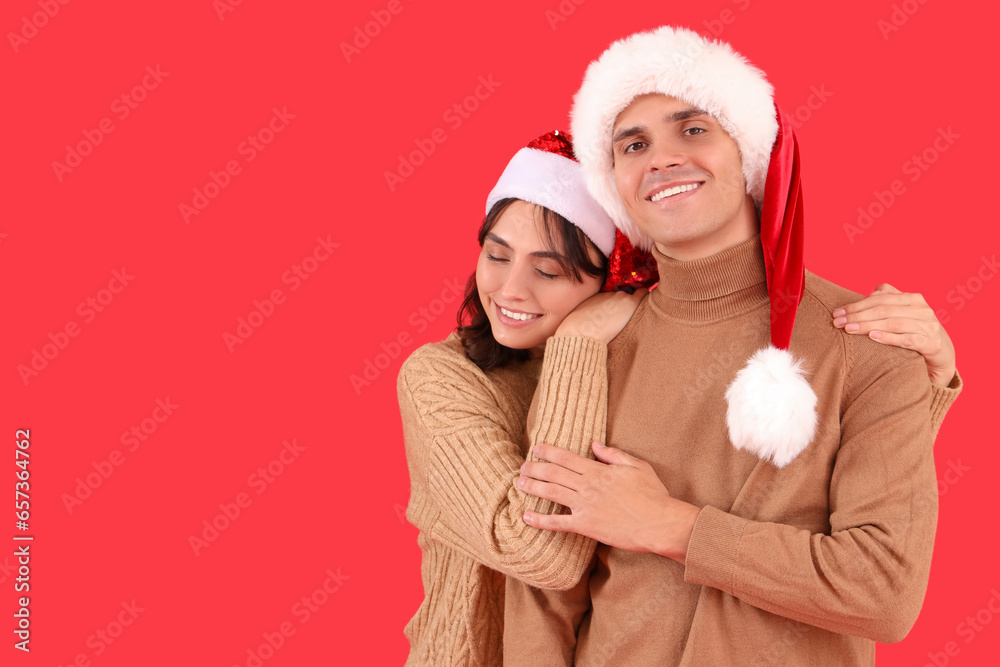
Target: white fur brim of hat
{"type": "Point", "coordinates": [555, 182]}
{"type": "Point", "coordinates": [682, 64]}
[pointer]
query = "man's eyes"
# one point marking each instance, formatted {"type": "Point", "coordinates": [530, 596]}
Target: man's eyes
{"type": "Point", "coordinates": [639, 145]}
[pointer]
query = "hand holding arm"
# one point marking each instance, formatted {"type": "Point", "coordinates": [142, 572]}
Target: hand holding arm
{"type": "Point", "coordinates": [617, 500]}
{"type": "Point", "coordinates": [905, 320]}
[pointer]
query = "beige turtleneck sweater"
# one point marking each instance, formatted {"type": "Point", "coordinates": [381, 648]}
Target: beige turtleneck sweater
{"type": "Point", "coordinates": [808, 564]}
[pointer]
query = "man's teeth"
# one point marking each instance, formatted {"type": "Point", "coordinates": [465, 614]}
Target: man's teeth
{"type": "Point", "coordinates": [676, 190]}
{"type": "Point", "coordinates": [517, 316]}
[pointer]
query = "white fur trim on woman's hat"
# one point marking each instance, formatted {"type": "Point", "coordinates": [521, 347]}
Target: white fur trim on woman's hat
{"type": "Point", "coordinates": [546, 173]}
{"type": "Point", "coordinates": [682, 64]}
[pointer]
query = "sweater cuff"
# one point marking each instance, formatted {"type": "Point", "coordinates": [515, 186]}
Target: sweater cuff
{"type": "Point", "coordinates": [575, 354]}
{"type": "Point", "coordinates": [942, 398]}
{"type": "Point", "coordinates": [712, 551]}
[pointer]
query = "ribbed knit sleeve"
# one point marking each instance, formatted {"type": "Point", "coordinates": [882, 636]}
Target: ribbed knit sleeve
{"type": "Point", "coordinates": [868, 575]}
{"type": "Point", "coordinates": [464, 450]}
{"type": "Point", "coordinates": [569, 410]}
{"type": "Point", "coordinates": [553, 617]}
{"type": "Point", "coordinates": [941, 400]}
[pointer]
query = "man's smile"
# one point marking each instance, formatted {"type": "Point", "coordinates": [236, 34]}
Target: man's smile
{"type": "Point", "coordinates": [663, 192]}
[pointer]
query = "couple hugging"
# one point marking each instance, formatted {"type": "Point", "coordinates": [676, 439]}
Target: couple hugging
{"type": "Point", "coordinates": [655, 438]}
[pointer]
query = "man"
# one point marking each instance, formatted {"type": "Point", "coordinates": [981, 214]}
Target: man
{"type": "Point", "coordinates": [780, 510]}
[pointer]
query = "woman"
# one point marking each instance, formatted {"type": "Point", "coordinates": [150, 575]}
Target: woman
{"type": "Point", "coordinates": [535, 319]}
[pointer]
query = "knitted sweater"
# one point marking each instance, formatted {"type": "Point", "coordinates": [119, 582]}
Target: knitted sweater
{"type": "Point", "coordinates": [465, 443]}
{"type": "Point", "coordinates": [808, 564]}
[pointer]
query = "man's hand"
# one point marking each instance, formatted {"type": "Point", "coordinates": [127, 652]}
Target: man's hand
{"type": "Point", "coordinates": [904, 320]}
{"type": "Point", "coordinates": [617, 500]}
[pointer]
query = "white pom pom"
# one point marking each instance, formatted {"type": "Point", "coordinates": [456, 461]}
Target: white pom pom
{"type": "Point", "coordinates": [772, 407]}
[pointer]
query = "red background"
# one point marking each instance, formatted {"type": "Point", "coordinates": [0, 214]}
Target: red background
{"type": "Point", "coordinates": [338, 505]}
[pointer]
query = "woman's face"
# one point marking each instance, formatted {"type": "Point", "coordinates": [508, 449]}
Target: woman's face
{"type": "Point", "coordinates": [524, 290]}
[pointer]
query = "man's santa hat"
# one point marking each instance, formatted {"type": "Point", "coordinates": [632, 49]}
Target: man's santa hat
{"type": "Point", "coordinates": [772, 407]}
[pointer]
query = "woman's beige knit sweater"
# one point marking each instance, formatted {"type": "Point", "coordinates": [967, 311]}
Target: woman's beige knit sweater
{"type": "Point", "coordinates": [465, 443]}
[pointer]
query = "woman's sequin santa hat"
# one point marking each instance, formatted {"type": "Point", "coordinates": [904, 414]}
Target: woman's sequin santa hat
{"type": "Point", "coordinates": [771, 405]}
{"type": "Point", "coordinates": [547, 173]}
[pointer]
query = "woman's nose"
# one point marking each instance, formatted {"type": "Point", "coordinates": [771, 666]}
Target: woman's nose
{"type": "Point", "coordinates": [515, 287]}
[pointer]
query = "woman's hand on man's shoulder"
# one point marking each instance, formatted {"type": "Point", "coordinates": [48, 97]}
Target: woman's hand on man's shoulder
{"type": "Point", "coordinates": [602, 316]}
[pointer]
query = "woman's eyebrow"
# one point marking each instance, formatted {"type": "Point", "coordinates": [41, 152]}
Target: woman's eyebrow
{"type": "Point", "coordinates": [499, 241]}
{"type": "Point", "coordinates": [543, 254]}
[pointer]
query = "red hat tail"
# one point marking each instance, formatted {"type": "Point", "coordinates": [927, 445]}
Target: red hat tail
{"type": "Point", "coordinates": [781, 233]}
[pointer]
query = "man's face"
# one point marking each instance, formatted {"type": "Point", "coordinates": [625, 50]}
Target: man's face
{"type": "Point", "coordinates": [680, 177]}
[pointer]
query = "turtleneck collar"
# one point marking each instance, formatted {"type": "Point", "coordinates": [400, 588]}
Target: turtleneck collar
{"type": "Point", "coordinates": [715, 288]}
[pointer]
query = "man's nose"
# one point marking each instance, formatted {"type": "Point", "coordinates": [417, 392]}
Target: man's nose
{"type": "Point", "coordinates": [665, 155]}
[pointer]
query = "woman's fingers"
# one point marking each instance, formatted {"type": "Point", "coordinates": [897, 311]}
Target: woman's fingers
{"type": "Point", "coordinates": [884, 288]}
{"type": "Point", "coordinates": [910, 333]}
{"type": "Point", "coordinates": [907, 313]}
{"type": "Point", "coordinates": [602, 316]}
{"type": "Point", "coordinates": [881, 301]}
{"type": "Point", "coordinates": [905, 320]}
{"type": "Point", "coordinates": [906, 340]}
{"type": "Point", "coordinates": [893, 322]}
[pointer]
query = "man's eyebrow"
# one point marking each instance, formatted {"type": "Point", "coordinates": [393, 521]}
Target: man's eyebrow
{"type": "Point", "coordinates": [542, 254]}
{"type": "Point", "coordinates": [627, 132]}
{"type": "Point", "coordinates": [685, 114]}
{"type": "Point", "coordinates": [675, 117]}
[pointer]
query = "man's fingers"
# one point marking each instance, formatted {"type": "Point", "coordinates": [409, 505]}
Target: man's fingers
{"type": "Point", "coordinates": [611, 455]}
{"type": "Point", "coordinates": [563, 457]}
{"type": "Point", "coordinates": [554, 492]}
{"type": "Point", "coordinates": [558, 522]}
{"type": "Point", "coordinates": [550, 472]}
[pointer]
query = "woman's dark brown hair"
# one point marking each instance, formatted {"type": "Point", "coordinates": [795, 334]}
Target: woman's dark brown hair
{"type": "Point", "coordinates": [564, 238]}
